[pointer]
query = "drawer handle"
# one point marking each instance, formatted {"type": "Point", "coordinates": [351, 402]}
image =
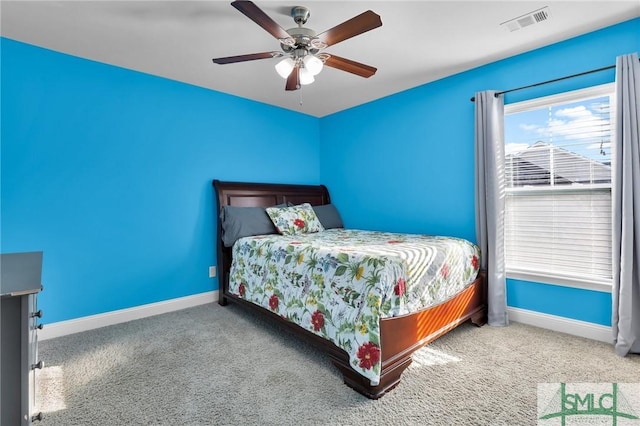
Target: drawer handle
{"type": "Point", "coordinates": [39, 326]}
{"type": "Point", "coordinates": [37, 314]}
{"type": "Point", "coordinates": [37, 417]}
{"type": "Point", "coordinates": [39, 365]}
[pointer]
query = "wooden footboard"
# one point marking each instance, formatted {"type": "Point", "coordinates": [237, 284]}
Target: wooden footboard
{"type": "Point", "coordinates": [399, 336]}
{"type": "Point", "coordinates": [402, 336]}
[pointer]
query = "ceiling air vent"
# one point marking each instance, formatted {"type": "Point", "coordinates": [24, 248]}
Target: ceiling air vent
{"type": "Point", "coordinates": [525, 20]}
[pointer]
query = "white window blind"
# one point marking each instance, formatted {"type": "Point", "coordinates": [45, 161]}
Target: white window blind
{"type": "Point", "coordinates": [558, 186]}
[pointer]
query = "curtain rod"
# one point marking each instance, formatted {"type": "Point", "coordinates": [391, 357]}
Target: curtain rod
{"type": "Point", "coordinates": [473, 99]}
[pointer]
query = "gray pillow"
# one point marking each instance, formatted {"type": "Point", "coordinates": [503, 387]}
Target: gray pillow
{"type": "Point", "coordinates": [240, 222]}
{"type": "Point", "coordinates": [328, 216]}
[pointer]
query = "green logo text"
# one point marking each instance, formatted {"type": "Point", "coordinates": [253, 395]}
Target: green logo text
{"type": "Point", "coordinates": [583, 403]}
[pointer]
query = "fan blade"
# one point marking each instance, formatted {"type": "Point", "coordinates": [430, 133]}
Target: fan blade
{"type": "Point", "coordinates": [350, 66]}
{"type": "Point", "coordinates": [244, 58]}
{"type": "Point", "coordinates": [256, 14]}
{"type": "Point", "coordinates": [357, 25]}
{"type": "Point", "coordinates": [293, 81]}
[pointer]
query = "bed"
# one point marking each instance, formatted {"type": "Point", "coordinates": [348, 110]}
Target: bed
{"type": "Point", "coordinates": [307, 281]}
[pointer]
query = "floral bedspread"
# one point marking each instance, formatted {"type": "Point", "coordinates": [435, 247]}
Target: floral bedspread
{"type": "Point", "coordinates": [338, 283]}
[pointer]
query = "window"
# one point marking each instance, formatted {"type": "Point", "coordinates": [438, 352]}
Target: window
{"type": "Point", "coordinates": [558, 188]}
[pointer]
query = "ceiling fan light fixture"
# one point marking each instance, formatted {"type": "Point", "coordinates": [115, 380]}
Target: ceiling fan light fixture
{"type": "Point", "coordinates": [306, 77]}
{"type": "Point", "coordinates": [301, 46]}
{"type": "Point", "coordinates": [284, 67]}
{"type": "Point", "coordinates": [312, 64]}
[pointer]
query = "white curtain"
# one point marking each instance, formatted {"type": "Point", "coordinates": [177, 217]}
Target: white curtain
{"type": "Point", "coordinates": [626, 205]}
{"type": "Point", "coordinates": [490, 200]}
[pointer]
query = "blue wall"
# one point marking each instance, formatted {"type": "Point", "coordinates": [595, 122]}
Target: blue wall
{"type": "Point", "coordinates": [405, 162]}
{"type": "Point", "coordinates": [108, 171]}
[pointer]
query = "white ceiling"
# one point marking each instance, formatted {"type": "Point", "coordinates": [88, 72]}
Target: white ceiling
{"type": "Point", "coordinates": [419, 41]}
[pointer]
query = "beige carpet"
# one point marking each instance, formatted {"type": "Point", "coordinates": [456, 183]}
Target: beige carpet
{"type": "Point", "coordinates": [223, 366]}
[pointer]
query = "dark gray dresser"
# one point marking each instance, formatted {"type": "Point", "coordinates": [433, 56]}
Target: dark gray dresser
{"type": "Point", "coordinates": [20, 283]}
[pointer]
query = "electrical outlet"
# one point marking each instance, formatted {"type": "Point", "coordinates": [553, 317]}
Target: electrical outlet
{"type": "Point", "coordinates": [212, 271]}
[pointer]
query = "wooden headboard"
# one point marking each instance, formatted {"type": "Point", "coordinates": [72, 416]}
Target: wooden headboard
{"type": "Point", "coordinates": [247, 194]}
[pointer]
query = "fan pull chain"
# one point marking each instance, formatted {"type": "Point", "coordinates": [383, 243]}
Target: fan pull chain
{"type": "Point", "coordinates": [300, 95]}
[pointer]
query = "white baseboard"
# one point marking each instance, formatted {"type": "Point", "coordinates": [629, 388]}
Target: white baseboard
{"type": "Point", "coordinates": [62, 328]}
{"type": "Point", "coordinates": [574, 327]}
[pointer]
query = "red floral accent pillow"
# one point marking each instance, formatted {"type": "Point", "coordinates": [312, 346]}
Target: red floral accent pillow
{"type": "Point", "coordinates": [300, 219]}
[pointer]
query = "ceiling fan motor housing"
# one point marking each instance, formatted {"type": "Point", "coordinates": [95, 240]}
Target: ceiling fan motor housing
{"type": "Point", "coordinates": [304, 38]}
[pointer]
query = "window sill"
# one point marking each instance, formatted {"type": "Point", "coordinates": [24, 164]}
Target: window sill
{"type": "Point", "coordinates": [560, 281]}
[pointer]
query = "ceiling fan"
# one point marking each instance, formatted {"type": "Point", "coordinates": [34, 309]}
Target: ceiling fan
{"type": "Point", "coordinates": [301, 46]}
